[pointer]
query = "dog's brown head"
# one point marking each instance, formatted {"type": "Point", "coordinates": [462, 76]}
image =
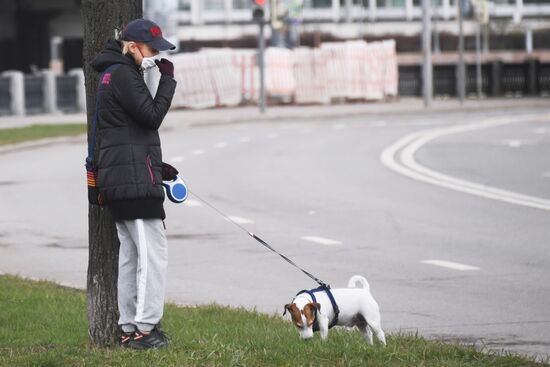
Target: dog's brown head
{"type": "Point", "coordinates": [308, 313]}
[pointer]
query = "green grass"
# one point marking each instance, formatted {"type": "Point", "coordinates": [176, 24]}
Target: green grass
{"type": "Point", "coordinates": [42, 324]}
{"type": "Point", "coordinates": [36, 132]}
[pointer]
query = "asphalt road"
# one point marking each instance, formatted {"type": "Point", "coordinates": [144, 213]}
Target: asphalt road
{"type": "Point", "coordinates": [446, 259]}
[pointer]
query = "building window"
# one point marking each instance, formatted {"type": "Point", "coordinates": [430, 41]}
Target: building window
{"type": "Point", "coordinates": [390, 3]}
{"type": "Point", "coordinates": [318, 3]}
{"type": "Point", "coordinates": [241, 4]}
{"type": "Point", "coordinates": [214, 5]}
{"type": "Point", "coordinates": [184, 5]}
{"type": "Point", "coordinates": [434, 2]}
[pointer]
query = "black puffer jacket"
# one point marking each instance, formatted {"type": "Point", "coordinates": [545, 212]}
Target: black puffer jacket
{"type": "Point", "coordinates": [130, 157]}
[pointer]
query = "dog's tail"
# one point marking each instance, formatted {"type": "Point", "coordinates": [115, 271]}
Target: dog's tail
{"type": "Point", "coordinates": [352, 283]}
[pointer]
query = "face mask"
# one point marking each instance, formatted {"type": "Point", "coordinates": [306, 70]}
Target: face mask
{"type": "Point", "coordinates": [148, 62]}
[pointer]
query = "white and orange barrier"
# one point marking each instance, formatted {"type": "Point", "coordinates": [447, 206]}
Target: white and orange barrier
{"type": "Point", "coordinates": [248, 74]}
{"type": "Point", "coordinates": [279, 72]}
{"type": "Point", "coordinates": [310, 72]}
{"type": "Point", "coordinates": [337, 68]}
{"type": "Point", "coordinates": [224, 75]}
{"type": "Point", "coordinates": [195, 89]}
{"type": "Point", "coordinates": [227, 77]}
{"type": "Point", "coordinates": [391, 75]}
{"type": "Point", "coordinates": [374, 81]}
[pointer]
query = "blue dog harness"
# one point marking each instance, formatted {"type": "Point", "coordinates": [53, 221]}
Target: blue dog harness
{"type": "Point", "coordinates": [326, 289]}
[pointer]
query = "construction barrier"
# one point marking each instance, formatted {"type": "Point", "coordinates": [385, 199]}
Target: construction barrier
{"type": "Point", "coordinates": [249, 76]}
{"type": "Point", "coordinates": [195, 88]}
{"type": "Point", "coordinates": [337, 69]}
{"type": "Point", "coordinates": [357, 69]}
{"type": "Point", "coordinates": [225, 76]}
{"type": "Point", "coordinates": [391, 75]}
{"type": "Point", "coordinates": [310, 72]}
{"type": "Point", "coordinates": [353, 70]}
{"type": "Point", "coordinates": [279, 73]}
{"type": "Point", "coordinates": [374, 62]}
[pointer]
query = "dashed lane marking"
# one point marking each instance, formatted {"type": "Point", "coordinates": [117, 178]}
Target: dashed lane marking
{"type": "Point", "coordinates": [339, 127]}
{"type": "Point", "coordinates": [177, 159]}
{"type": "Point", "coordinates": [191, 203]}
{"type": "Point", "coordinates": [321, 240]}
{"type": "Point", "coordinates": [239, 220]}
{"type": "Point", "coordinates": [221, 144]}
{"type": "Point", "coordinates": [198, 152]}
{"type": "Point", "coordinates": [450, 265]}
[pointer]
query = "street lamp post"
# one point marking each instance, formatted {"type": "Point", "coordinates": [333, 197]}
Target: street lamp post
{"type": "Point", "coordinates": [258, 15]}
{"type": "Point", "coordinates": [461, 67]}
{"type": "Point", "coordinates": [427, 52]}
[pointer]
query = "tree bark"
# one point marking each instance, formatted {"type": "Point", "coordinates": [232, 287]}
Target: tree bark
{"type": "Point", "coordinates": [99, 19]}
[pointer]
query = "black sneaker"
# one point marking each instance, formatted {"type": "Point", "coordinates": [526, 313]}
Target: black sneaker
{"type": "Point", "coordinates": [153, 340]}
{"type": "Point", "coordinates": [124, 339]}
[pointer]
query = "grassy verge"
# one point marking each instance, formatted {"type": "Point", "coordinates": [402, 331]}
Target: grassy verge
{"type": "Point", "coordinates": [42, 324]}
{"type": "Point", "coordinates": [36, 132]}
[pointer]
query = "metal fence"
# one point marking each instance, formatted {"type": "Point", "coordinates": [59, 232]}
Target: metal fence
{"type": "Point", "coordinates": [34, 94]}
{"type": "Point", "coordinates": [497, 79]}
{"type": "Point", "coordinates": [66, 93]}
{"type": "Point", "coordinates": [5, 96]}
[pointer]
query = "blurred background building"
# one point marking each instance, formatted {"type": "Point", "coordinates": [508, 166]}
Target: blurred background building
{"type": "Point", "coordinates": [35, 33]}
{"type": "Point", "coordinates": [507, 45]}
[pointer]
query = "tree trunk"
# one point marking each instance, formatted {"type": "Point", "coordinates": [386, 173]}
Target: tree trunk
{"type": "Point", "coordinates": [99, 19]}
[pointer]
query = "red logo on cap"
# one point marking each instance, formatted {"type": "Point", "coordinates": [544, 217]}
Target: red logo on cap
{"type": "Point", "coordinates": [155, 31]}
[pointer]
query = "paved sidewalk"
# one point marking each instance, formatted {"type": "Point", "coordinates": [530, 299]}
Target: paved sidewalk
{"type": "Point", "coordinates": [228, 115]}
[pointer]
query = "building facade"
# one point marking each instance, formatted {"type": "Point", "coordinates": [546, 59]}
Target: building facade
{"type": "Point", "coordinates": [35, 32]}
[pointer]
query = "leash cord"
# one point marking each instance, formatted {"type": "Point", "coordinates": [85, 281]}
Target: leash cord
{"type": "Point", "coordinates": [265, 244]}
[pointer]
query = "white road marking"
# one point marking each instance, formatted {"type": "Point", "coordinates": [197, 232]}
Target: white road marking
{"type": "Point", "coordinates": [198, 152]}
{"type": "Point", "coordinates": [378, 123]}
{"type": "Point", "coordinates": [546, 174]}
{"type": "Point", "coordinates": [221, 144]}
{"type": "Point", "coordinates": [305, 131]}
{"type": "Point", "coordinates": [339, 127]}
{"type": "Point", "coordinates": [321, 240]}
{"type": "Point", "coordinates": [311, 212]}
{"type": "Point", "coordinates": [290, 127]}
{"type": "Point", "coordinates": [177, 159]}
{"type": "Point", "coordinates": [450, 265]}
{"type": "Point", "coordinates": [512, 143]}
{"type": "Point", "coordinates": [273, 136]}
{"type": "Point", "coordinates": [240, 220]}
{"type": "Point", "coordinates": [540, 130]}
{"type": "Point", "coordinates": [244, 139]}
{"type": "Point", "coordinates": [400, 158]}
{"type": "Point", "coordinates": [191, 203]}
{"type": "Point", "coordinates": [516, 143]}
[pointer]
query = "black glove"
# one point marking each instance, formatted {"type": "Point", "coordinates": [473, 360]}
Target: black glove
{"type": "Point", "coordinates": [168, 172]}
{"type": "Point", "coordinates": [165, 67]}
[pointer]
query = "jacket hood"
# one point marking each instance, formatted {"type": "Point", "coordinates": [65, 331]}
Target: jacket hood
{"type": "Point", "coordinates": [111, 54]}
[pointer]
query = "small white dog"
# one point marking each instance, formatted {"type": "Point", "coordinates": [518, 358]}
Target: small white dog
{"type": "Point", "coordinates": [320, 309]}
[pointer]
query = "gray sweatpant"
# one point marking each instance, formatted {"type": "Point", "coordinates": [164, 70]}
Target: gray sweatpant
{"type": "Point", "coordinates": [142, 263]}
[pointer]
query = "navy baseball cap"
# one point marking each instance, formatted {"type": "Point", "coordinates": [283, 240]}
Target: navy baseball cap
{"type": "Point", "coordinates": [148, 32]}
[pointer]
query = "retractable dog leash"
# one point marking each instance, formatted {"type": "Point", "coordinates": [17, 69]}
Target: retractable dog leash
{"type": "Point", "coordinates": [262, 242]}
{"type": "Point", "coordinates": [176, 190]}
